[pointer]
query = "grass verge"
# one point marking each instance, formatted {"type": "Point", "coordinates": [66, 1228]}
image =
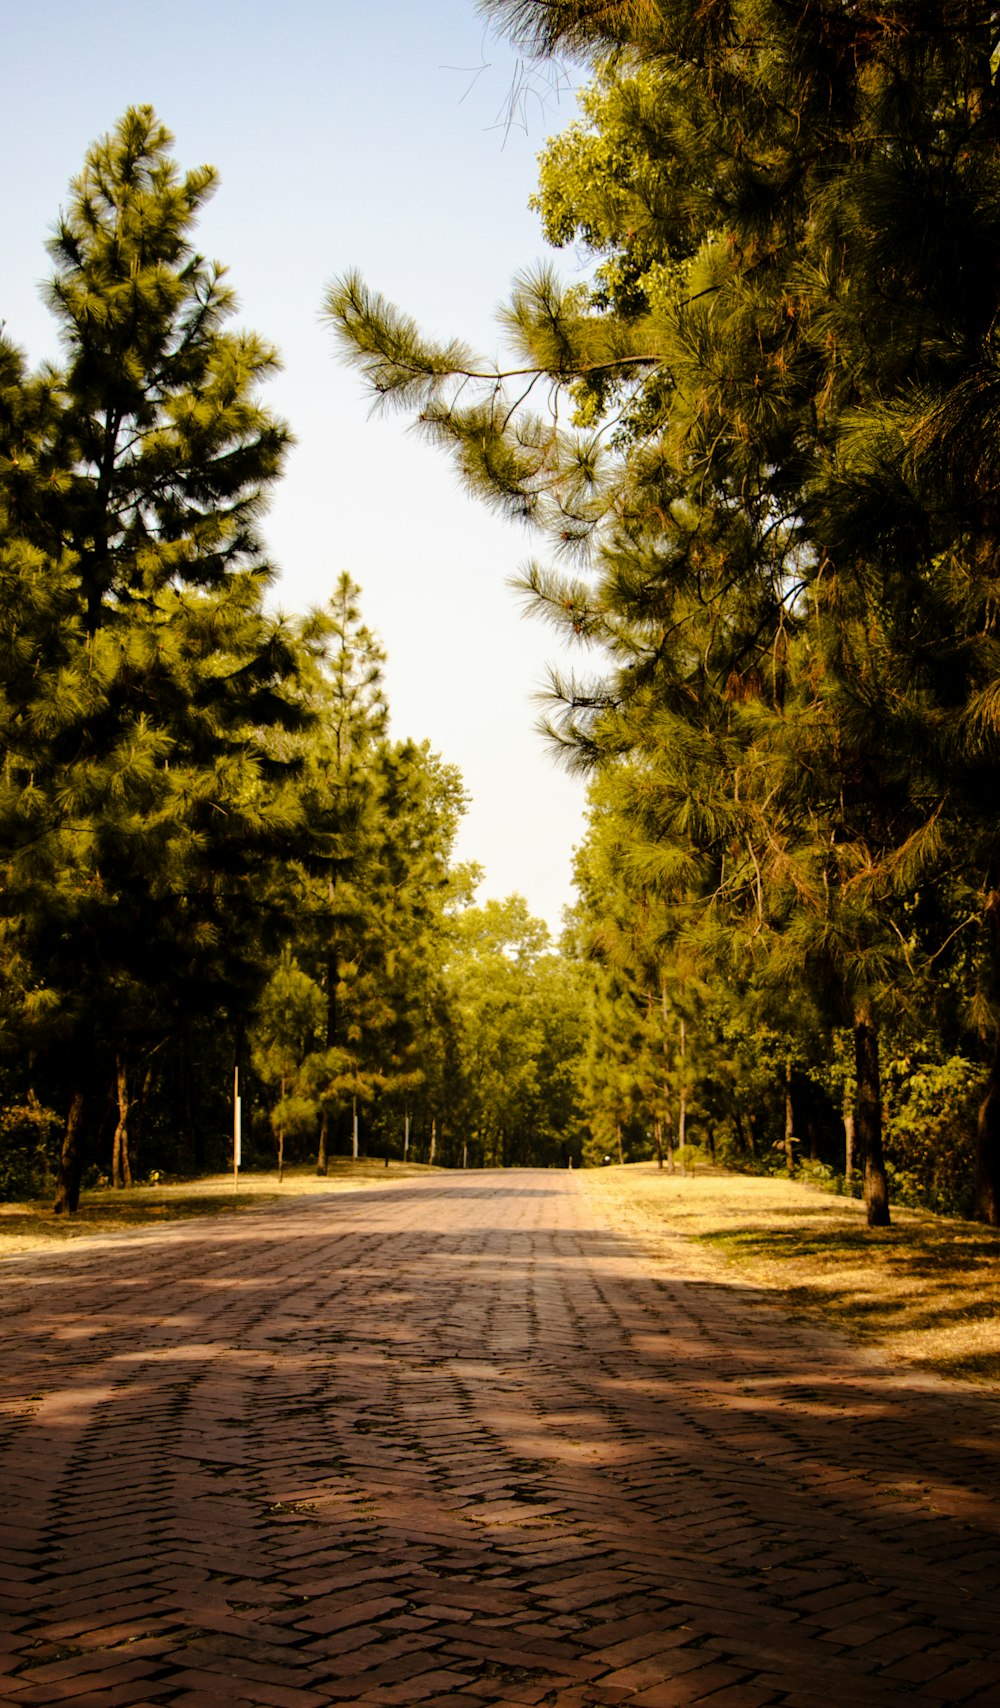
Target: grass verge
{"type": "Point", "coordinates": [27, 1227]}
{"type": "Point", "coordinates": [923, 1292]}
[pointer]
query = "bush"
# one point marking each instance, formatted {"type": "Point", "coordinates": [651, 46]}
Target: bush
{"type": "Point", "coordinates": [29, 1149]}
{"type": "Point", "coordinates": [930, 1139]}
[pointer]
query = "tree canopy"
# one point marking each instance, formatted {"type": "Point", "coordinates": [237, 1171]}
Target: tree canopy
{"type": "Point", "coordinates": [755, 439]}
{"type": "Point", "coordinates": [758, 447]}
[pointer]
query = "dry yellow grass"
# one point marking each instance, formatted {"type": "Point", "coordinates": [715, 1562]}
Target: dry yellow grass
{"type": "Point", "coordinates": [924, 1292]}
{"type": "Point", "coordinates": [33, 1227]}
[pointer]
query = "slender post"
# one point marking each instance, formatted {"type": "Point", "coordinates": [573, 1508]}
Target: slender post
{"type": "Point", "coordinates": [682, 1108]}
{"type": "Point", "coordinates": [237, 1126]}
{"type": "Point", "coordinates": [354, 1142]}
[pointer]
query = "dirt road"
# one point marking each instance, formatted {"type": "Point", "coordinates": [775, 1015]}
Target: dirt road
{"type": "Point", "coordinates": [455, 1441]}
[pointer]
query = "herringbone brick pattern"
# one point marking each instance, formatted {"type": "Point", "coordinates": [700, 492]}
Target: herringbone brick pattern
{"type": "Point", "coordinates": [454, 1441]}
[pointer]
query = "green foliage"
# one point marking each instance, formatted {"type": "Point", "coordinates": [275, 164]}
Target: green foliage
{"type": "Point", "coordinates": [29, 1149]}
{"type": "Point", "coordinates": [931, 1131]}
{"type": "Point", "coordinates": [518, 1020]}
{"type": "Point", "coordinates": [765, 487]}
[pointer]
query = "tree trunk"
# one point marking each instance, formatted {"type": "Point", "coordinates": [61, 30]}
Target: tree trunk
{"type": "Point", "coordinates": [988, 1145]}
{"type": "Point", "coordinates": [354, 1129]}
{"type": "Point", "coordinates": [324, 1134]}
{"type": "Point", "coordinates": [668, 1123]}
{"type": "Point", "coordinates": [868, 1124]}
{"type": "Point", "coordinates": [789, 1121]}
{"type": "Point", "coordinates": [121, 1173]}
{"type": "Point", "coordinates": [433, 1144]}
{"type": "Point", "coordinates": [281, 1139]}
{"type": "Point", "coordinates": [618, 1135]}
{"type": "Point", "coordinates": [682, 1102]}
{"type": "Point", "coordinates": [848, 1135]}
{"type": "Point", "coordinates": [658, 1136]}
{"type": "Point", "coordinates": [67, 1199]}
{"type": "Point", "coordinates": [988, 1128]}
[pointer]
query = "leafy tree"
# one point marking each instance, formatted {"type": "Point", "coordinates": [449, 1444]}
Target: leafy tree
{"type": "Point", "coordinates": [519, 1021]}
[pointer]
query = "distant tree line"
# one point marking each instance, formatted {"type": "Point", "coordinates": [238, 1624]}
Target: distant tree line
{"type": "Point", "coordinates": [213, 858]}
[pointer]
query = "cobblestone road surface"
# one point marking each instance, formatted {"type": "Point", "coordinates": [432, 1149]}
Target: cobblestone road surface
{"type": "Point", "coordinates": [454, 1441]}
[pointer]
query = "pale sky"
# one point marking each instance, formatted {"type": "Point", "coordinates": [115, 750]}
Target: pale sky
{"type": "Point", "coordinates": [346, 135]}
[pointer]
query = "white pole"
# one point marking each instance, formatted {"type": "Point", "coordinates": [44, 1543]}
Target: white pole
{"type": "Point", "coordinates": [354, 1149]}
{"type": "Point", "coordinates": [237, 1127]}
{"type": "Point", "coordinates": [406, 1136]}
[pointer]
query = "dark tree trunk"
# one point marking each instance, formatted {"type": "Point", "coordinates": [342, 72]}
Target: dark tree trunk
{"type": "Point", "coordinates": [121, 1170]}
{"type": "Point", "coordinates": [848, 1135]}
{"type": "Point", "coordinates": [790, 1140]}
{"type": "Point", "coordinates": [658, 1136]}
{"type": "Point", "coordinates": [988, 1133]}
{"type": "Point", "coordinates": [281, 1139]}
{"type": "Point", "coordinates": [988, 1137]}
{"type": "Point", "coordinates": [324, 1134]}
{"type": "Point", "coordinates": [67, 1198]}
{"type": "Point", "coordinates": [868, 1123]}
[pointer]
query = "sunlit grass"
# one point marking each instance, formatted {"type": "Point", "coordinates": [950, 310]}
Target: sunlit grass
{"type": "Point", "coordinates": [924, 1291]}
{"type": "Point", "coordinates": [32, 1226]}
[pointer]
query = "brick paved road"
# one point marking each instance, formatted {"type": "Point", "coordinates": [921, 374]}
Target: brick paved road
{"type": "Point", "coordinates": [453, 1441]}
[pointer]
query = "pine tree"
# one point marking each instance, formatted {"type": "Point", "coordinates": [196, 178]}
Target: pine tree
{"type": "Point", "coordinates": [141, 746]}
{"type": "Point", "coordinates": [779, 387]}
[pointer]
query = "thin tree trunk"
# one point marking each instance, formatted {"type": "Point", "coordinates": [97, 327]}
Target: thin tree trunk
{"type": "Point", "coordinates": [121, 1173]}
{"type": "Point", "coordinates": [406, 1136]}
{"type": "Point", "coordinates": [324, 1134]}
{"type": "Point", "coordinates": [682, 1102]}
{"type": "Point", "coordinates": [789, 1121]}
{"type": "Point", "coordinates": [67, 1199]}
{"type": "Point", "coordinates": [433, 1144]}
{"type": "Point", "coordinates": [869, 1117]}
{"type": "Point", "coordinates": [668, 1122]}
{"type": "Point", "coordinates": [281, 1139]}
{"type": "Point", "coordinates": [848, 1135]}
{"type": "Point", "coordinates": [658, 1136]}
{"type": "Point", "coordinates": [354, 1129]}
{"type": "Point", "coordinates": [988, 1127]}
{"type": "Point", "coordinates": [618, 1135]}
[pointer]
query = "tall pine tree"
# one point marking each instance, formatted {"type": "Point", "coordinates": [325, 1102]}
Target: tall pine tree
{"type": "Point", "coordinates": [140, 749]}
